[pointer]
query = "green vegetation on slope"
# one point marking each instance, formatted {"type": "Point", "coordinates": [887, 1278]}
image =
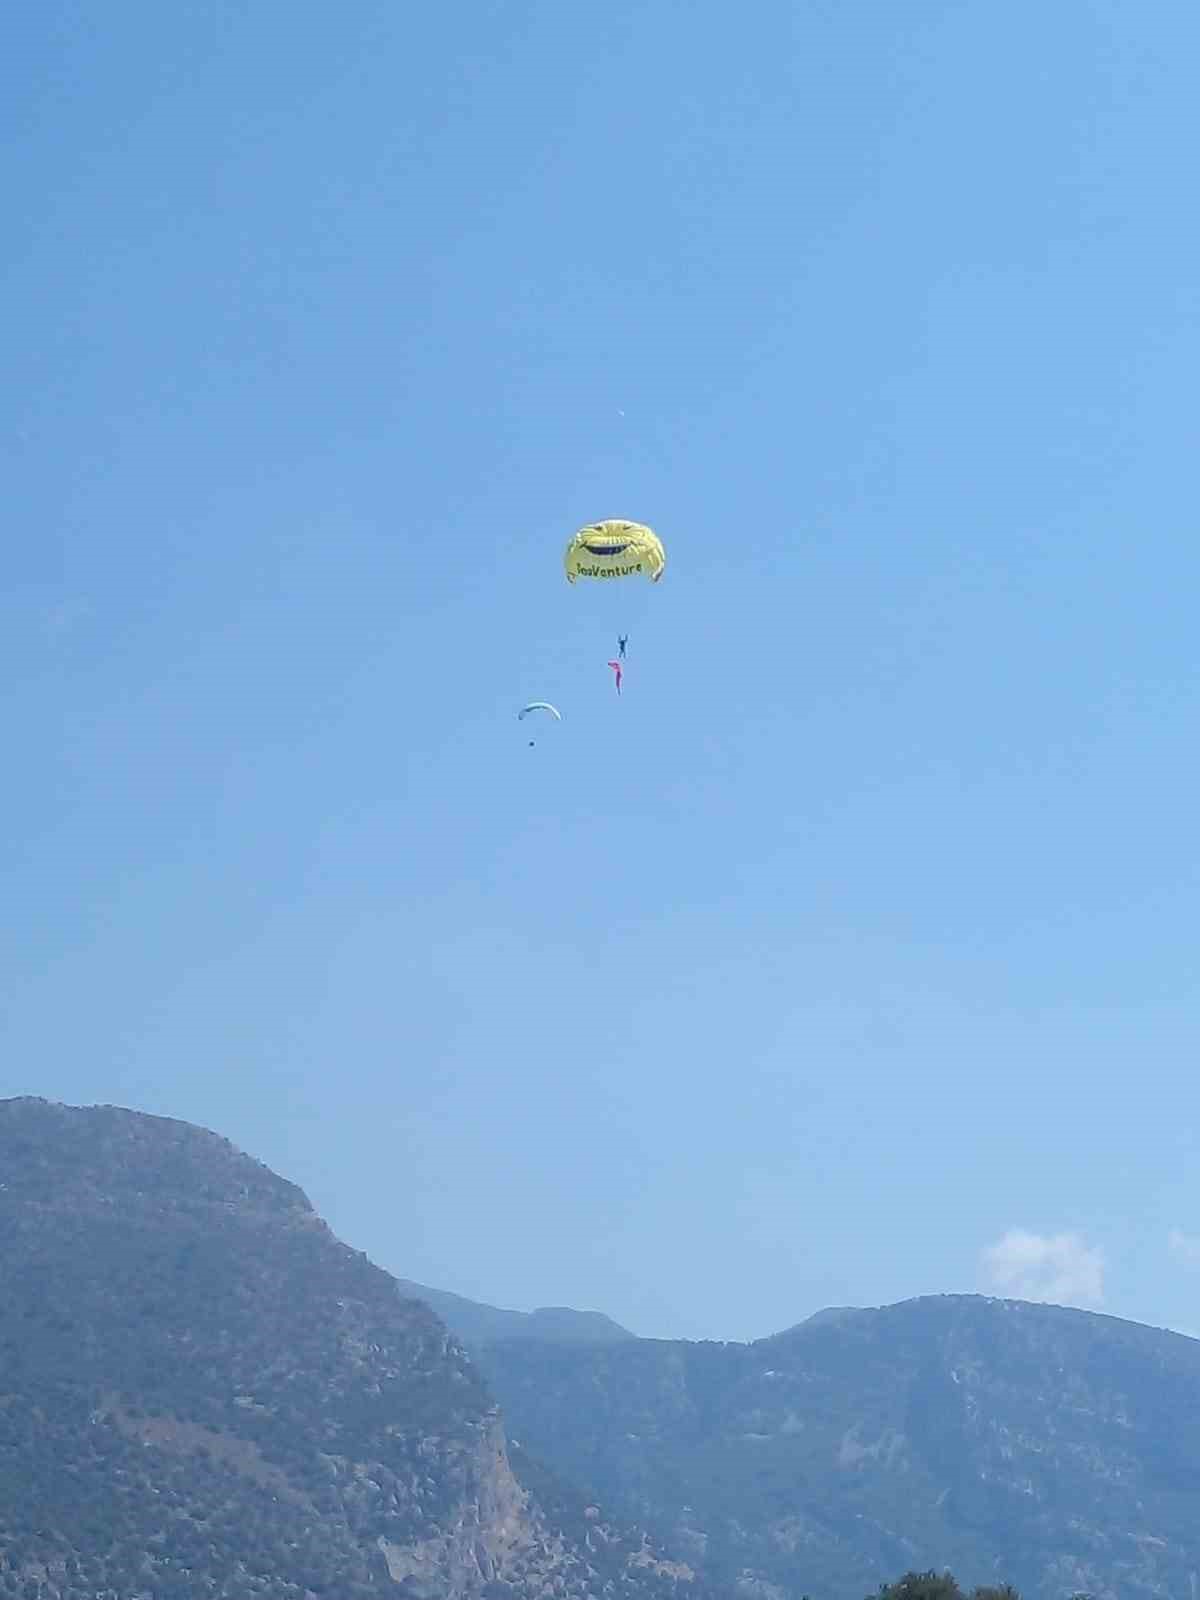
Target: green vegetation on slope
{"type": "Point", "coordinates": [203, 1393]}
{"type": "Point", "coordinates": [1053, 1448]}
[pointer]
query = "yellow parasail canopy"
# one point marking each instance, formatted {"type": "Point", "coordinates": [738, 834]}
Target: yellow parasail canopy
{"type": "Point", "coordinates": [615, 550]}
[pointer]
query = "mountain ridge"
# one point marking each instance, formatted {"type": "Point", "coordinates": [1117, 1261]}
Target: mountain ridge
{"type": "Point", "coordinates": [476, 1322]}
{"type": "Point", "coordinates": [1049, 1447]}
{"type": "Point", "coordinates": [205, 1395]}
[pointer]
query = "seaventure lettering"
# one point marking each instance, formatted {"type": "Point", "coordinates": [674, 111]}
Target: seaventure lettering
{"type": "Point", "coordinates": [608, 572]}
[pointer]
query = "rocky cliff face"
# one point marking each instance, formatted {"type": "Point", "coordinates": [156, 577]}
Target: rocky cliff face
{"type": "Point", "coordinates": [1010, 1442]}
{"type": "Point", "coordinates": [204, 1393]}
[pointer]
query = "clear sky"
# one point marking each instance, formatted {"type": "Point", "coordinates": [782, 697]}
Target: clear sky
{"type": "Point", "coordinates": [853, 953]}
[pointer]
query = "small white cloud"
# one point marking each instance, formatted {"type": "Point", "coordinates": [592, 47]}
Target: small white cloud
{"type": "Point", "coordinates": [1059, 1267]}
{"type": "Point", "coordinates": [1184, 1247]}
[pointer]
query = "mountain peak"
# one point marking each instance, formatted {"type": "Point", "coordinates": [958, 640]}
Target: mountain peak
{"type": "Point", "coordinates": [1015, 1442]}
{"type": "Point", "coordinates": [204, 1392]}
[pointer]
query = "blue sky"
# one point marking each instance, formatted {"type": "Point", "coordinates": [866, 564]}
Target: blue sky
{"type": "Point", "coordinates": [852, 954]}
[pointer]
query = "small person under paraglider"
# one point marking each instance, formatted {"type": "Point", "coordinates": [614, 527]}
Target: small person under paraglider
{"type": "Point", "coordinates": [539, 705]}
{"type": "Point", "coordinates": [622, 641]}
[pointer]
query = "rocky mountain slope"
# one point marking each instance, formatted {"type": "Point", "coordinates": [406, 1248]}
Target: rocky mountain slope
{"type": "Point", "coordinates": [1055, 1449]}
{"type": "Point", "coordinates": [204, 1393]}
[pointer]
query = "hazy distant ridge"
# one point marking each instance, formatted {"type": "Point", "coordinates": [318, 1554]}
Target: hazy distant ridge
{"type": "Point", "coordinates": [475, 1323]}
